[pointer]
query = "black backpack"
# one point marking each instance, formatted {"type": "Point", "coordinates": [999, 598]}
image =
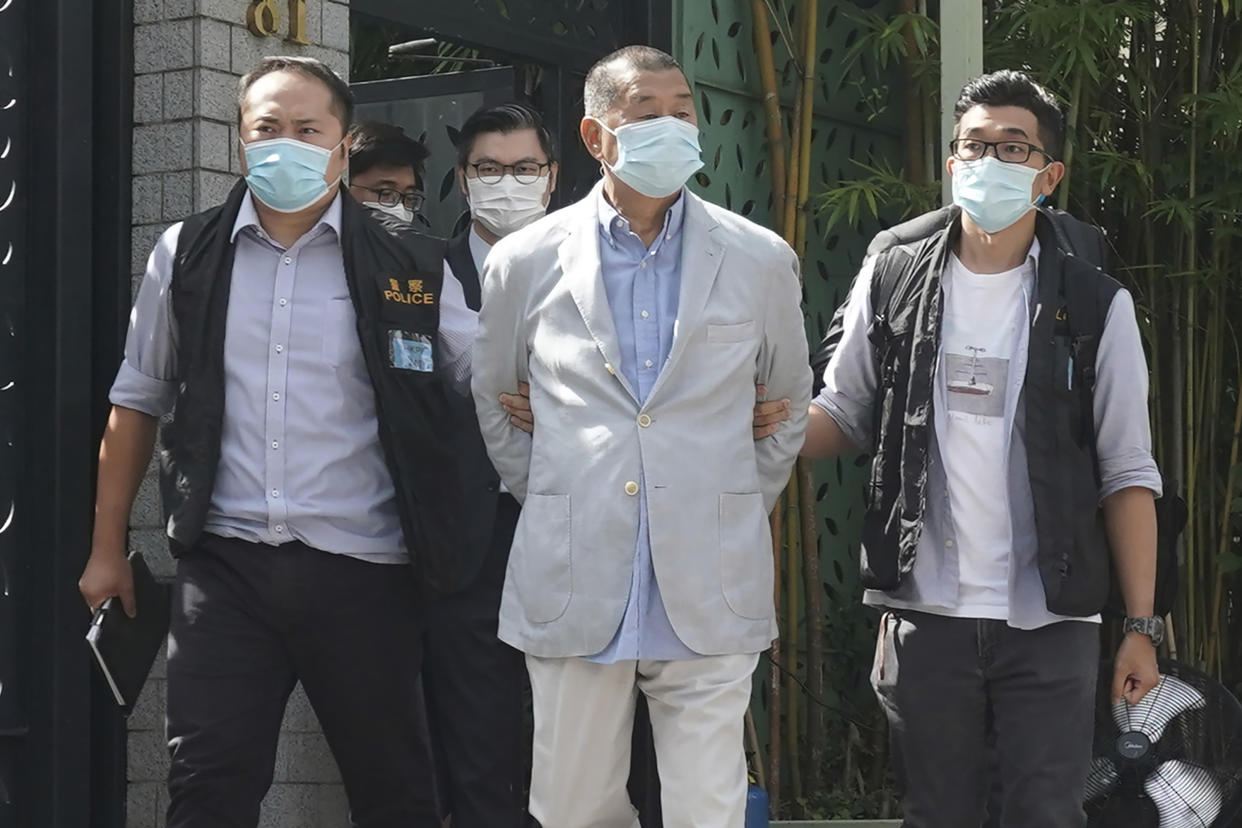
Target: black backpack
{"type": "Point", "coordinates": [1083, 325]}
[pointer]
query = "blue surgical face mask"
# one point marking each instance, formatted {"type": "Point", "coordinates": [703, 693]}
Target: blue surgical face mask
{"type": "Point", "coordinates": [656, 157]}
{"type": "Point", "coordinates": [994, 194]}
{"type": "Point", "coordinates": [285, 174]}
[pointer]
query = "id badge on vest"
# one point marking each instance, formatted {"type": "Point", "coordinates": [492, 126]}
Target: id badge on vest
{"type": "Point", "coordinates": [410, 351]}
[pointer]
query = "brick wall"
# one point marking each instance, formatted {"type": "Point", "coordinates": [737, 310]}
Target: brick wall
{"type": "Point", "coordinates": [188, 55]}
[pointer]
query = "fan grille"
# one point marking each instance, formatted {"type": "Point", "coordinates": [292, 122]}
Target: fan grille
{"type": "Point", "coordinates": [1172, 761]}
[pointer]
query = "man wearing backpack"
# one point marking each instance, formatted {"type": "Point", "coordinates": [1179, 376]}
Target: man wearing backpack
{"type": "Point", "coordinates": [1000, 384]}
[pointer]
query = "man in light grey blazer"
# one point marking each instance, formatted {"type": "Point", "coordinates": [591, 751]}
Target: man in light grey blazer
{"type": "Point", "coordinates": [642, 318]}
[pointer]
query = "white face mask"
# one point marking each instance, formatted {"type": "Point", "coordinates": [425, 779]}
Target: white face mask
{"type": "Point", "coordinates": [398, 211]}
{"type": "Point", "coordinates": [508, 205]}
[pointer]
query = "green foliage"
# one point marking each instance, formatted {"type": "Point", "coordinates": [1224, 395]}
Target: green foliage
{"type": "Point", "coordinates": [884, 192]}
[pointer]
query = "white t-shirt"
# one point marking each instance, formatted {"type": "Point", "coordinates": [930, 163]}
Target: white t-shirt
{"type": "Point", "coordinates": [979, 378]}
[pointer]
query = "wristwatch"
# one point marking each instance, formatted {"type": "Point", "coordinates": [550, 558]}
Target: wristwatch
{"type": "Point", "coordinates": [1152, 626]}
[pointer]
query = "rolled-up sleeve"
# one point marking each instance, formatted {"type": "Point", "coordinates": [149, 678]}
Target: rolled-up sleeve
{"type": "Point", "coordinates": [147, 379]}
{"type": "Point", "coordinates": [1122, 427]}
{"type": "Point", "coordinates": [848, 395]}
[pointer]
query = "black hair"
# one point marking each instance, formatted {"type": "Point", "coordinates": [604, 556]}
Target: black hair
{"type": "Point", "coordinates": [342, 98]}
{"type": "Point", "coordinates": [376, 144]}
{"type": "Point", "coordinates": [1010, 88]}
{"type": "Point", "coordinates": [603, 82]}
{"type": "Point", "coordinates": [504, 119]}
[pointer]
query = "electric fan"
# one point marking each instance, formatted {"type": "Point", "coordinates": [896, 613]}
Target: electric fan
{"type": "Point", "coordinates": [1174, 760]}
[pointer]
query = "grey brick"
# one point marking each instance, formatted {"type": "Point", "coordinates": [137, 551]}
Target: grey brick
{"type": "Point", "coordinates": [314, 23]}
{"type": "Point", "coordinates": [307, 758]}
{"type": "Point", "coordinates": [178, 195]}
{"type": "Point", "coordinates": [287, 805]}
{"type": "Point", "coordinates": [152, 544]}
{"type": "Point", "coordinates": [148, 98]}
{"type": "Point", "coordinates": [148, 11]}
{"type": "Point", "coordinates": [146, 512]}
{"type": "Point", "coordinates": [217, 95]}
{"type": "Point", "coordinates": [338, 61]}
{"type": "Point", "coordinates": [141, 799]}
{"type": "Point", "coordinates": [163, 147]}
{"type": "Point", "coordinates": [178, 9]}
{"type": "Point", "coordinates": [148, 756]}
{"type": "Point", "coordinates": [142, 239]}
{"type": "Point", "coordinates": [234, 155]}
{"type": "Point", "coordinates": [335, 26]}
{"type": "Point", "coordinates": [159, 670]}
{"type": "Point", "coordinates": [331, 807]}
{"type": "Point", "coordinates": [179, 95]}
{"type": "Point", "coordinates": [230, 11]}
{"type": "Point", "coordinates": [148, 713]}
{"type": "Point", "coordinates": [161, 804]}
{"type": "Point", "coordinates": [212, 140]}
{"type": "Point", "coordinates": [213, 188]}
{"type": "Point", "coordinates": [248, 50]}
{"type": "Point", "coordinates": [299, 715]}
{"type": "Point", "coordinates": [215, 44]}
{"type": "Point", "coordinates": [147, 198]}
{"type": "Point", "coordinates": [159, 47]}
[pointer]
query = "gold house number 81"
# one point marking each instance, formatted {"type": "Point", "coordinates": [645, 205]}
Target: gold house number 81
{"type": "Point", "coordinates": [263, 19]}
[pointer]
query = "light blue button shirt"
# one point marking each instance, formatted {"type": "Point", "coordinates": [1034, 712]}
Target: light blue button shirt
{"type": "Point", "coordinates": [642, 284]}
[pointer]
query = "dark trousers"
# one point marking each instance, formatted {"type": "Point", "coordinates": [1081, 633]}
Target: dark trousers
{"type": "Point", "coordinates": [473, 683]}
{"type": "Point", "coordinates": [943, 681]}
{"type": "Point", "coordinates": [249, 622]}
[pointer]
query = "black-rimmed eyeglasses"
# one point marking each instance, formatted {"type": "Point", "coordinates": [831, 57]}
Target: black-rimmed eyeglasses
{"type": "Point", "coordinates": [391, 198]}
{"type": "Point", "coordinates": [525, 172]}
{"type": "Point", "coordinates": [1011, 152]}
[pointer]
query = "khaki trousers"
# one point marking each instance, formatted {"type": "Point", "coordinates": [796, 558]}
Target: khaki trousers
{"type": "Point", "coordinates": [584, 713]}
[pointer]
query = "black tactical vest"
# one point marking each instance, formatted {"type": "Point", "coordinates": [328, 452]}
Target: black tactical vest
{"type": "Point", "coordinates": [394, 277]}
{"type": "Point", "coordinates": [1073, 297]}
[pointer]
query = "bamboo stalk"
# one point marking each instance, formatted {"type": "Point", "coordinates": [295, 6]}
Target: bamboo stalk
{"type": "Point", "coordinates": [810, 14]}
{"type": "Point", "coordinates": [752, 736]}
{"type": "Point", "coordinates": [912, 104]}
{"type": "Point", "coordinates": [1227, 513]}
{"type": "Point", "coordinates": [774, 673]}
{"type": "Point", "coordinates": [793, 697]}
{"type": "Point", "coordinates": [814, 618]}
{"type": "Point", "coordinates": [789, 222]}
{"type": "Point", "coordinates": [771, 105]}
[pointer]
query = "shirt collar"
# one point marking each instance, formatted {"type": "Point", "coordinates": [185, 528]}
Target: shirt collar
{"type": "Point", "coordinates": [247, 216]}
{"type": "Point", "coordinates": [613, 226]}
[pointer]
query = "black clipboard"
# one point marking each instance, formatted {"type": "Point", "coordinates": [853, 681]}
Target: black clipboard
{"type": "Point", "coordinates": [124, 647]}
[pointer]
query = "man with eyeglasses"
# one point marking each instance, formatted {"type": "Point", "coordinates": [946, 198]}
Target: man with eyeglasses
{"type": "Point", "coordinates": [386, 169]}
{"type": "Point", "coordinates": [1000, 385]}
{"type": "Point", "coordinates": [472, 680]}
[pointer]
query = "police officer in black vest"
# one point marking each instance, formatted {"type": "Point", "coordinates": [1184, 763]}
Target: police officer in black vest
{"type": "Point", "coordinates": [312, 360]}
{"type": "Point", "coordinates": [999, 382]}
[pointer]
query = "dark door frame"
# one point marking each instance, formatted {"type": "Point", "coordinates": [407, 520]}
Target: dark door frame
{"type": "Point", "coordinates": [64, 298]}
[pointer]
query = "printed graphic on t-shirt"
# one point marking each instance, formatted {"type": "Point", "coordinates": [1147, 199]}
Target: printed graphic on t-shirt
{"type": "Point", "coordinates": [976, 383]}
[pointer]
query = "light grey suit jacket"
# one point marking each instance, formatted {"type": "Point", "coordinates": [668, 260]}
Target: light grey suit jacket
{"type": "Point", "coordinates": [545, 320]}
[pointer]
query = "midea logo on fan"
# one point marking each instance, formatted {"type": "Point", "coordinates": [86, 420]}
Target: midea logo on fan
{"type": "Point", "coordinates": [1133, 745]}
